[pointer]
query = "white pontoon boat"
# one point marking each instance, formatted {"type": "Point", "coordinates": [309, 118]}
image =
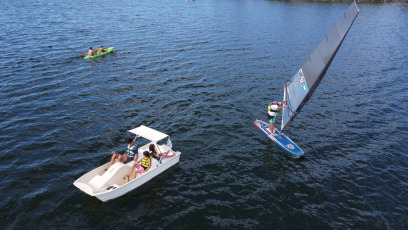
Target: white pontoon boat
{"type": "Point", "coordinates": [110, 184]}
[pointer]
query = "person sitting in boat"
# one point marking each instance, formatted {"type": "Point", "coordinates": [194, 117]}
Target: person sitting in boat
{"type": "Point", "coordinates": [156, 155]}
{"type": "Point", "coordinates": [101, 49]}
{"type": "Point", "coordinates": [91, 52]}
{"type": "Point", "coordinates": [273, 110]}
{"type": "Point", "coordinates": [141, 167]}
{"type": "Point", "coordinates": [130, 153]}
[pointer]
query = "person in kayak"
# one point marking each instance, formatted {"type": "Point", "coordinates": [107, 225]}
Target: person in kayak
{"type": "Point", "coordinates": [130, 153]}
{"type": "Point", "coordinates": [156, 155]}
{"type": "Point", "coordinates": [273, 110]}
{"type": "Point", "coordinates": [90, 52]}
{"type": "Point", "coordinates": [142, 167]}
{"type": "Point", "coordinates": [101, 50]}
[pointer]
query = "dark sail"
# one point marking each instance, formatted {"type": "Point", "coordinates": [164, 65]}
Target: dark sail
{"type": "Point", "coordinates": [301, 87]}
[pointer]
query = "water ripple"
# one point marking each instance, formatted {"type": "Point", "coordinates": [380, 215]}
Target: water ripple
{"type": "Point", "coordinates": [202, 71]}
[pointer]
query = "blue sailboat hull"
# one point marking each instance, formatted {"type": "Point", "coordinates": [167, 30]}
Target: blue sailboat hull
{"type": "Point", "coordinates": [282, 140]}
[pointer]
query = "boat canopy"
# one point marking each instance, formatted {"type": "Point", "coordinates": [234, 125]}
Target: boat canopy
{"type": "Point", "coordinates": [148, 133]}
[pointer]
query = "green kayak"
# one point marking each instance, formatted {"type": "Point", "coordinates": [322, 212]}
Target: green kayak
{"type": "Point", "coordinates": [108, 50]}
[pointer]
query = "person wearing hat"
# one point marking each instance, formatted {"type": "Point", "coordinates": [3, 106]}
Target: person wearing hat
{"type": "Point", "coordinates": [273, 110]}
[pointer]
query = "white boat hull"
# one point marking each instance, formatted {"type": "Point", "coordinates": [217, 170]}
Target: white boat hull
{"type": "Point", "coordinates": [113, 183]}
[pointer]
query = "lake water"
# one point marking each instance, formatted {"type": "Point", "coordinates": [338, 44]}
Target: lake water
{"type": "Point", "coordinates": [202, 72]}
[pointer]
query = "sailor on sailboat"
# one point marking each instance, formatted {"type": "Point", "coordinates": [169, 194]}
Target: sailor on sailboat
{"type": "Point", "coordinates": [273, 110]}
{"type": "Point", "coordinates": [301, 87]}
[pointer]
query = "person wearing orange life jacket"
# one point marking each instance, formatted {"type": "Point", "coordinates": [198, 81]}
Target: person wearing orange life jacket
{"type": "Point", "coordinates": [142, 167]}
{"type": "Point", "coordinates": [273, 110]}
{"type": "Point", "coordinates": [101, 50]}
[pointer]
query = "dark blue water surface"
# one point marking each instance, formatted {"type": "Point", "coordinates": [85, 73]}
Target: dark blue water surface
{"type": "Point", "coordinates": [201, 72]}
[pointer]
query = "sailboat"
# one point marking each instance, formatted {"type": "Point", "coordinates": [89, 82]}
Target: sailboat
{"type": "Point", "coordinates": [301, 87]}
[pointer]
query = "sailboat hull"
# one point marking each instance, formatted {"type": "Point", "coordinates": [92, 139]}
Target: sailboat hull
{"type": "Point", "coordinates": [281, 140]}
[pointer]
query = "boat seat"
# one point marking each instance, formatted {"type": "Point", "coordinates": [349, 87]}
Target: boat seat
{"type": "Point", "coordinates": [94, 180]}
{"type": "Point", "coordinates": [114, 174]}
